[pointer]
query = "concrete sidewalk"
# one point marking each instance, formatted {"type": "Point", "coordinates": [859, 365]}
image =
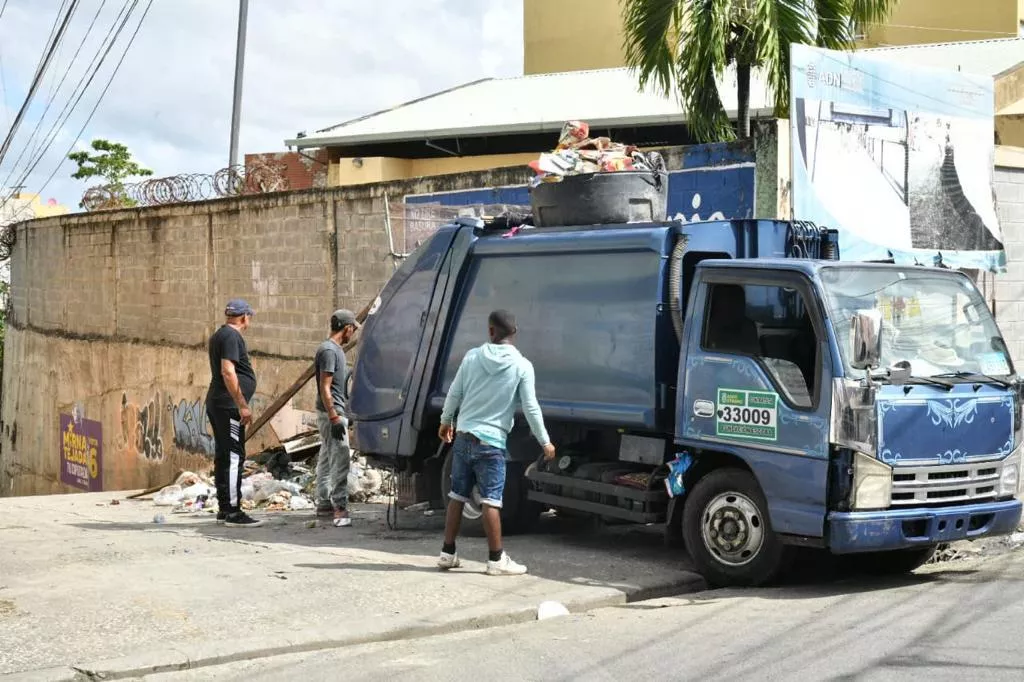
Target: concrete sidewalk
{"type": "Point", "coordinates": [101, 588]}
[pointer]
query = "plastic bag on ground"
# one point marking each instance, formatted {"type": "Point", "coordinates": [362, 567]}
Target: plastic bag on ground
{"type": "Point", "coordinates": [268, 490]}
{"type": "Point", "coordinates": [193, 491]}
{"type": "Point", "coordinates": [299, 503]}
{"type": "Point", "coordinates": [170, 496]}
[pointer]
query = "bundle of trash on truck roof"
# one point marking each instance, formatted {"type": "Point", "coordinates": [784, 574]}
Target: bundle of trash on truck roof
{"type": "Point", "coordinates": [579, 154]}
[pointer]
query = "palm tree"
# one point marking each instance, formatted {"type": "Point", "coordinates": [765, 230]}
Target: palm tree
{"type": "Point", "coordinates": [685, 45]}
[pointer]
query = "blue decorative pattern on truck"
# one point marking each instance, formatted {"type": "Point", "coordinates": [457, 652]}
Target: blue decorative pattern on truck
{"type": "Point", "coordinates": [960, 426]}
{"type": "Point", "coordinates": [708, 375]}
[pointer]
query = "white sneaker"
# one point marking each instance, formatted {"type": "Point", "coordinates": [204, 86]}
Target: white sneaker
{"type": "Point", "coordinates": [447, 561]}
{"type": "Point", "coordinates": [505, 566]}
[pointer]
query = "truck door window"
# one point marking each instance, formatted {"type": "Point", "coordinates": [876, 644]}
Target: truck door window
{"type": "Point", "coordinates": [770, 323]}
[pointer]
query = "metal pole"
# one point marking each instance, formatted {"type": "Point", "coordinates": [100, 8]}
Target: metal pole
{"type": "Point", "coordinates": [236, 109]}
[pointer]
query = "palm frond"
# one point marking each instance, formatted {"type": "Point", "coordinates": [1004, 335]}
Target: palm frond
{"type": "Point", "coordinates": [702, 59]}
{"type": "Point", "coordinates": [871, 11]}
{"type": "Point", "coordinates": [778, 24]}
{"type": "Point", "coordinates": [833, 24]}
{"type": "Point", "coordinates": [650, 30]}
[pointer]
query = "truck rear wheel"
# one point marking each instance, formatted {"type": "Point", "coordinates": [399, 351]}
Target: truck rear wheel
{"type": "Point", "coordinates": [896, 562]}
{"type": "Point", "coordinates": [728, 533]}
{"type": "Point", "coordinates": [518, 514]}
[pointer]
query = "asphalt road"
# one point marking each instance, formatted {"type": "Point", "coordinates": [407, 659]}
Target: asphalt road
{"type": "Point", "coordinates": [962, 620]}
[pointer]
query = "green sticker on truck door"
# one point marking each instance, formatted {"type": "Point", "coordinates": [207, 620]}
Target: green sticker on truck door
{"type": "Point", "coordinates": [749, 415]}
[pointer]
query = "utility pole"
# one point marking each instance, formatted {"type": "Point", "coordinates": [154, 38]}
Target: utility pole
{"type": "Point", "coordinates": [236, 109]}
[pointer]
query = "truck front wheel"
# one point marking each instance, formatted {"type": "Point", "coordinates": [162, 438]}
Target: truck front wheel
{"type": "Point", "coordinates": [727, 531]}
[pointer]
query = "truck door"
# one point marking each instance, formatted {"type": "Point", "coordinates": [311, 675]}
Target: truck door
{"type": "Point", "coordinates": [390, 348]}
{"type": "Point", "coordinates": [756, 384]}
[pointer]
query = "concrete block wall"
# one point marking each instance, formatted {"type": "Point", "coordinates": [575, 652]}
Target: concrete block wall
{"type": "Point", "coordinates": [110, 313]}
{"type": "Point", "coordinates": [1006, 291]}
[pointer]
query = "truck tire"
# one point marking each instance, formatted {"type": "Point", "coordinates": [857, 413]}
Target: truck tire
{"type": "Point", "coordinates": [896, 562]}
{"type": "Point", "coordinates": [727, 531]}
{"type": "Point", "coordinates": [518, 514]}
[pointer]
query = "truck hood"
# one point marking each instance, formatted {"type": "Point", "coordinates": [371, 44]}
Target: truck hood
{"type": "Point", "coordinates": [927, 426]}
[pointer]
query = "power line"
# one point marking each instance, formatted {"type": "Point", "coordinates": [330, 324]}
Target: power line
{"type": "Point", "coordinates": [942, 28]}
{"type": "Point", "coordinates": [83, 85]}
{"type": "Point", "coordinates": [48, 55]}
{"type": "Point", "coordinates": [100, 99]}
{"type": "Point", "coordinates": [54, 91]}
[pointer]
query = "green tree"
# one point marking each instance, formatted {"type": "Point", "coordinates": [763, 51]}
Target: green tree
{"type": "Point", "coordinates": [684, 45]}
{"type": "Point", "coordinates": [113, 163]}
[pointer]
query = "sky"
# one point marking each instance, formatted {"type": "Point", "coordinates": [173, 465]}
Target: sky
{"type": "Point", "coordinates": [309, 64]}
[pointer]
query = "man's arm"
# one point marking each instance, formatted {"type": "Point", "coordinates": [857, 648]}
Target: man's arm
{"type": "Point", "coordinates": [325, 395]}
{"type": "Point", "coordinates": [452, 401]}
{"type": "Point", "coordinates": [531, 410]}
{"type": "Point", "coordinates": [227, 371]}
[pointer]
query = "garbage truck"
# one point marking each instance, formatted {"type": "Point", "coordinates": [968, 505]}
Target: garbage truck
{"type": "Point", "coordinates": [734, 380]}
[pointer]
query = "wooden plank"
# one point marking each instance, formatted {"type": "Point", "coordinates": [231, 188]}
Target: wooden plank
{"type": "Point", "coordinates": [281, 401]}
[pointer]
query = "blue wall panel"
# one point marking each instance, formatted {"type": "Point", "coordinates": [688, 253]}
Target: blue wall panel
{"type": "Point", "coordinates": [717, 181]}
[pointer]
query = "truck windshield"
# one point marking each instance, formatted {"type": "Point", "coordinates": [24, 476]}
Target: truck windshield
{"type": "Point", "coordinates": [935, 319]}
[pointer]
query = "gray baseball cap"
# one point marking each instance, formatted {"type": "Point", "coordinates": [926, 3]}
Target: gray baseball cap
{"type": "Point", "coordinates": [342, 318]}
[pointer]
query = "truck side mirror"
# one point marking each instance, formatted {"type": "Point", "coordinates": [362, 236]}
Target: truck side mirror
{"type": "Point", "coordinates": [867, 339]}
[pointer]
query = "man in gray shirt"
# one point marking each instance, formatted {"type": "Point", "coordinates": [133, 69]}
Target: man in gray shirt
{"type": "Point", "coordinates": [332, 410]}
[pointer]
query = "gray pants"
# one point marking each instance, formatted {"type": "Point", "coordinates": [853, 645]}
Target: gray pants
{"type": "Point", "coordinates": [332, 466]}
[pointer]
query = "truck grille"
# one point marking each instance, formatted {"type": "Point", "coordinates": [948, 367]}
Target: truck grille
{"type": "Point", "coordinates": [916, 486]}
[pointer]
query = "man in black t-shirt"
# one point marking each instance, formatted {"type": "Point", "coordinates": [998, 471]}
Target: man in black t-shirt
{"type": "Point", "coordinates": [232, 385]}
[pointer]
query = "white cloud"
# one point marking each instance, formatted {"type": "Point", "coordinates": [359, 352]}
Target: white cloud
{"type": "Point", "coordinates": [309, 64]}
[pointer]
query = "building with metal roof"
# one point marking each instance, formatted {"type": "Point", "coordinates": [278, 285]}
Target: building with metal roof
{"type": "Point", "coordinates": [499, 122]}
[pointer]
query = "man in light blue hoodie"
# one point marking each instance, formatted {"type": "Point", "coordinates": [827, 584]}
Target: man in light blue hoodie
{"type": "Point", "coordinates": [491, 380]}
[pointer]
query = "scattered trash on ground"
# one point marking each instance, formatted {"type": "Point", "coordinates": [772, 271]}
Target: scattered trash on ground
{"type": "Point", "coordinates": [579, 154]}
{"type": "Point", "coordinates": [291, 488]}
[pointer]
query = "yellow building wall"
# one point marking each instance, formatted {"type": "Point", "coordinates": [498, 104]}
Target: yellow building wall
{"type": "Point", "coordinates": [571, 35]}
{"type": "Point", "coordinates": [575, 35]}
{"type": "Point", "coordinates": [1010, 130]}
{"type": "Point", "coordinates": [345, 172]}
{"type": "Point", "coordinates": [945, 21]}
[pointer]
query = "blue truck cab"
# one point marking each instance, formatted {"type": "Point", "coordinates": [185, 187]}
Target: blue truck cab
{"type": "Point", "coordinates": [733, 380]}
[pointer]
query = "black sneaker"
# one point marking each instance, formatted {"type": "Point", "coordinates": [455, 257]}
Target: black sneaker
{"type": "Point", "coordinates": [242, 520]}
{"type": "Point", "coordinates": [221, 516]}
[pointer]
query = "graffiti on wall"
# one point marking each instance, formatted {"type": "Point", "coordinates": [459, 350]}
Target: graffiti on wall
{"type": "Point", "coordinates": [144, 426]}
{"type": "Point", "coordinates": [141, 435]}
{"type": "Point", "coordinates": [192, 428]}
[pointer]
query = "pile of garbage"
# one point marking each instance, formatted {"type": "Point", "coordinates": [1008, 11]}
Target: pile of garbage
{"type": "Point", "coordinates": [271, 489]}
{"type": "Point", "coordinates": [579, 154]}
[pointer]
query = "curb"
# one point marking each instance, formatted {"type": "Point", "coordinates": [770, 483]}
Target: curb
{"type": "Point", "coordinates": [205, 654]}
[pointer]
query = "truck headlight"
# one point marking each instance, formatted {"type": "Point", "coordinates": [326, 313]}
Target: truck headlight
{"type": "Point", "coordinates": [1010, 479]}
{"type": "Point", "coordinates": [872, 483]}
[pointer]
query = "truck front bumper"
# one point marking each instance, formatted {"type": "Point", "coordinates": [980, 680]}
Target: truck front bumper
{"type": "Point", "coordinates": [874, 531]}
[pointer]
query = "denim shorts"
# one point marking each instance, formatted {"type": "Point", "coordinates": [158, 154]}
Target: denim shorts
{"type": "Point", "coordinates": [476, 463]}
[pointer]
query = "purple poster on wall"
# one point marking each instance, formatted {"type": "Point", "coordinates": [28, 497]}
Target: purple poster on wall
{"type": "Point", "coordinates": [81, 453]}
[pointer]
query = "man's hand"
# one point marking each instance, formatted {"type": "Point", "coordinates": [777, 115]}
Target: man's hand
{"type": "Point", "coordinates": [246, 415]}
{"type": "Point", "coordinates": [337, 428]}
{"type": "Point", "coordinates": [549, 452]}
{"type": "Point", "coordinates": [446, 433]}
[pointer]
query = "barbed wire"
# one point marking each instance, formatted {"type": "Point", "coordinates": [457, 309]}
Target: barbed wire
{"type": "Point", "coordinates": [254, 178]}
